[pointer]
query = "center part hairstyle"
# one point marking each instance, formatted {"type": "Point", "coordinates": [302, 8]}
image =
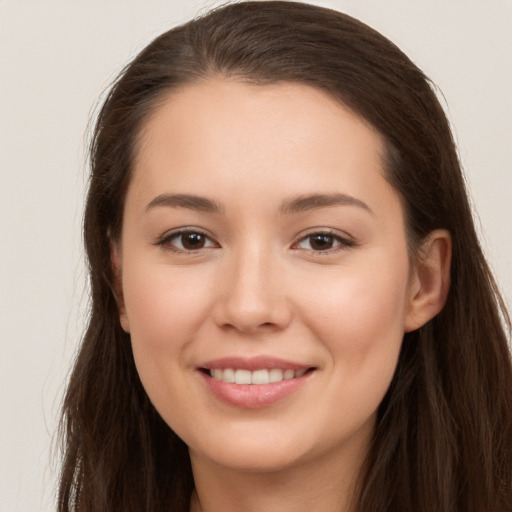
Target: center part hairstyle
{"type": "Point", "coordinates": [443, 439]}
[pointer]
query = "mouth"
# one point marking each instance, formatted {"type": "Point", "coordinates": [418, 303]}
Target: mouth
{"type": "Point", "coordinates": [256, 382]}
{"type": "Point", "coordinates": [256, 377]}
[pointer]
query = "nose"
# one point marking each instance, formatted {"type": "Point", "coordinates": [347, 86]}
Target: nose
{"type": "Point", "coordinates": [251, 294]}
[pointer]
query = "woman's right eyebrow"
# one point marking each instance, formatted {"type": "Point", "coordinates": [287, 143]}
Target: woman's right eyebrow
{"type": "Point", "coordinates": [189, 201]}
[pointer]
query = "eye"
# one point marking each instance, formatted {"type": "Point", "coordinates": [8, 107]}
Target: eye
{"type": "Point", "coordinates": [323, 242]}
{"type": "Point", "coordinates": [187, 241]}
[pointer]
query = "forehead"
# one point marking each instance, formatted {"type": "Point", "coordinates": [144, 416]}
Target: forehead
{"type": "Point", "coordinates": [206, 102]}
{"type": "Point", "coordinates": [224, 135]}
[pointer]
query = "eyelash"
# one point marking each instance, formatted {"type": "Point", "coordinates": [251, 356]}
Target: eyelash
{"type": "Point", "coordinates": [341, 242]}
{"type": "Point", "coordinates": [166, 241]}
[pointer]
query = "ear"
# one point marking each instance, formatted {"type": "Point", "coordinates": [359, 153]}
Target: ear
{"type": "Point", "coordinates": [430, 280]}
{"type": "Point", "coordinates": [115, 261]}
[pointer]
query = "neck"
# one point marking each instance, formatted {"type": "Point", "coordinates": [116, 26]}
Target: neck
{"type": "Point", "coordinates": [328, 487]}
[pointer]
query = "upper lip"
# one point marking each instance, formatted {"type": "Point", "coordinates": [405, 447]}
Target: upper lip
{"type": "Point", "coordinates": [253, 363]}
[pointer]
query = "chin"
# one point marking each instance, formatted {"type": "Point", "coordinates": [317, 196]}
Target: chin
{"type": "Point", "coordinates": [254, 459]}
{"type": "Point", "coordinates": [256, 446]}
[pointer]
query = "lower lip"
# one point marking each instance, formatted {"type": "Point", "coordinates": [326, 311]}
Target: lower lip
{"type": "Point", "coordinates": [253, 396]}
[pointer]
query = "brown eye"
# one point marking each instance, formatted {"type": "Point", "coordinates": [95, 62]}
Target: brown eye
{"type": "Point", "coordinates": [321, 242]}
{"type": "Point", "coordinates": [191, 241]}
{"type": "Point", "coordinates": [187, 241]}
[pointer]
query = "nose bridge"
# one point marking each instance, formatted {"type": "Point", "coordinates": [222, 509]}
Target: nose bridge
{"type": "Point", "coordinates": [252, 294]}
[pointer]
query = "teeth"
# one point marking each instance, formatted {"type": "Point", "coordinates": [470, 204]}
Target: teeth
{"type": "Point", "coordinates": [228, 375]}
{"type": "Point", "coordinates": [257, 376]}
{"type": "Point", "coordinates": [275, 375]}
{"type": "Point", "coordinates": [288, 374]}
{"type": "Point", "coordinates": [242, 376]}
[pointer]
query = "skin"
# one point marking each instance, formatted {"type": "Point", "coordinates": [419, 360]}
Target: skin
{"type": "Point", "coordinates": [260, 286]}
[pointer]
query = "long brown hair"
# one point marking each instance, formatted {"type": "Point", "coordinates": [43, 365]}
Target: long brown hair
{"type": "Point", "coordinates": [443, 440]}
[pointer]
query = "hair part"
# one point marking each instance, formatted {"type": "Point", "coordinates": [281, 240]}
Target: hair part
{"type": "Point", "coordinates": [444, 435]}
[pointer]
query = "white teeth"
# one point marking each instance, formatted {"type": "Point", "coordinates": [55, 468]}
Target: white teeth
{"type": "Point", "coordinates": [257, 376]}
{"type": "Point", "coordinates": [242, 376]}
{"type": "Point", "coordinates": [275, 375]}
{"type": "Point", "coordinates": [288, 374]}
{"type": "Point", "coordinates": [228, 375]}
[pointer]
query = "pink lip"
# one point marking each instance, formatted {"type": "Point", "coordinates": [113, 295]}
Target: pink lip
{"type": "Point", "coordinates": [253, 396]}
{"type": "Point", "coordinates": [252, 363]}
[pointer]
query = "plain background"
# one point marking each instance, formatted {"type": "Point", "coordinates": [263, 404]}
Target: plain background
{"type": "Point", "coordinates": [56, 58]}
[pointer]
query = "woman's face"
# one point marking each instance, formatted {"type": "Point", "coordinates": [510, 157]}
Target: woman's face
{"type": "Point", "coordinates": [261, 243]}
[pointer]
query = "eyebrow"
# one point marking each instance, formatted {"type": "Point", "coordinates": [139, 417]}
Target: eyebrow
{"type": "Point", "coordinates": [295, 205]}
{"type": "Point", "coordinates": [189, 201]}
{"type": "Point", "coordinates": [314, 201]}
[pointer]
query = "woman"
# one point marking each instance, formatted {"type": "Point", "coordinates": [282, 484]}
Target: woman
{"type": "Point", "coordinates": [290, 308]}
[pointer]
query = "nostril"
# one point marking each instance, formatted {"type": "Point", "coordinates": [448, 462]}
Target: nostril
{"type": "Point", "coordinates": [249, 310]}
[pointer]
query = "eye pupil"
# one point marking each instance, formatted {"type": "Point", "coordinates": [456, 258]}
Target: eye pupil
{"type": "Point", "coordinates": [321, 242]}
{"type": "Point", "coordinates": [193, 240]}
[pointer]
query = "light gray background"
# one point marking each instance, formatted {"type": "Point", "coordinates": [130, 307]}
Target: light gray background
{"type": "Point", "coordinates": [56, 57]}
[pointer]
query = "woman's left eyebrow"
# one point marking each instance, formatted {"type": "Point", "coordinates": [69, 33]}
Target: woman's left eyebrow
{"type": "Point", "coordinates": [313, 201]}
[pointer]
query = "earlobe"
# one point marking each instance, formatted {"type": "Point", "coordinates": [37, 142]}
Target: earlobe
{"type": "Point", "coordinates": [430, 282]}
{"type": "Point", "coordinates": [115, 261]}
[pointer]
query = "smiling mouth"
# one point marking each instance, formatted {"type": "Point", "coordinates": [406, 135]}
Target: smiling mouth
{"type": "Point", "coordinates": [256, 377]}
{"type": "Point", "coordinates": [254, 383]}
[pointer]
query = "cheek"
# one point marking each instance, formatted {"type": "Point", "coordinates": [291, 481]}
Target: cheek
{"type": "Point", "coordinates": [361, 326]}
{"type": "Point", "coordinates": [165, 312]}
{"type": "Point", "coordinates": [359, 318]}
{"type": "Point", "coordinates": [360, 304]}
{"type": "Point", "coordinates": [163, 304]}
